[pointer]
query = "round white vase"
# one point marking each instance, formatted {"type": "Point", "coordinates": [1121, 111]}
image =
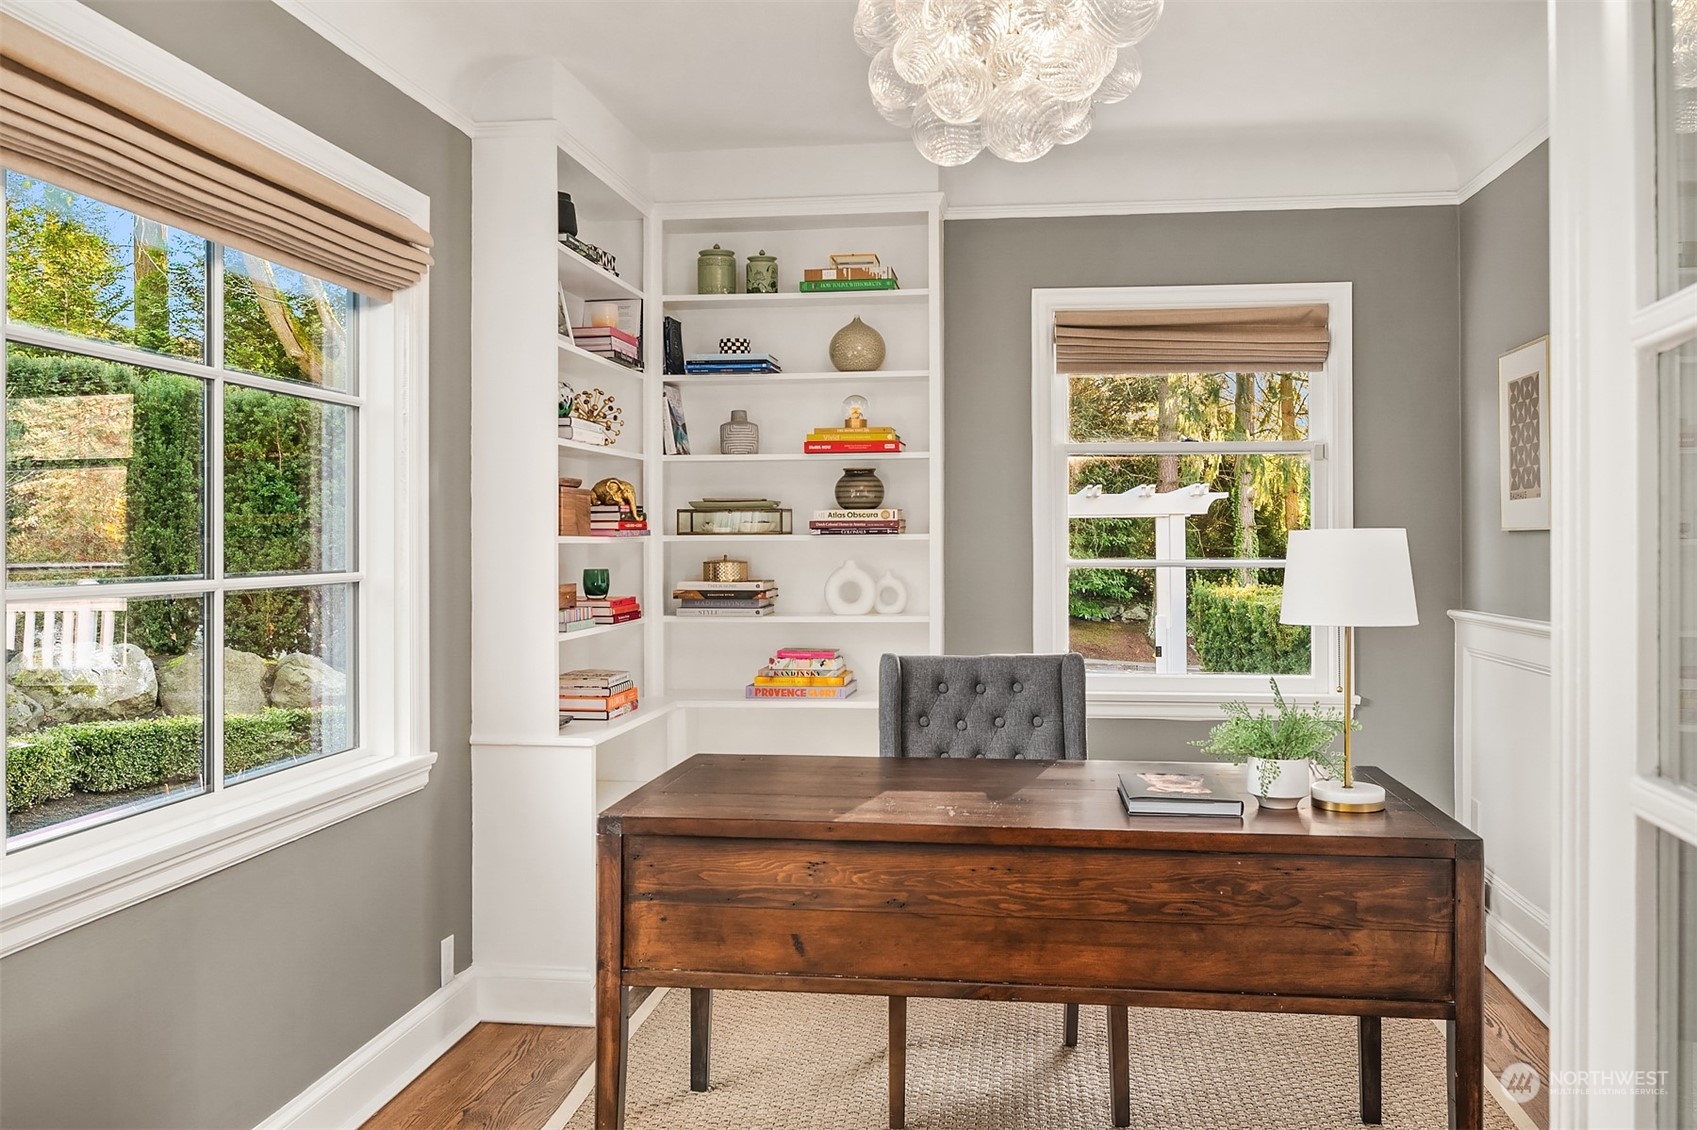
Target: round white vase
{"type": "Point", "coordinates": [850, 590]}
{"type": "Point", "coordinates": [1288, 786]}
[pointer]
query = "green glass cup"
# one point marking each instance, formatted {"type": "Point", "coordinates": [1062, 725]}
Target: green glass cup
{"type": "Point", "coordinates": [597, 582]}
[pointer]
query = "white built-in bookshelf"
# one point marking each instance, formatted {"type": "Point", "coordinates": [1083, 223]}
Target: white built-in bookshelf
{"type": "Point", "coordinates": [537, 786]}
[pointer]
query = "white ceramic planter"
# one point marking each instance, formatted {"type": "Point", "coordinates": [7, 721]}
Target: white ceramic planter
{"type": "Point", "coordinates": [1288, 786]}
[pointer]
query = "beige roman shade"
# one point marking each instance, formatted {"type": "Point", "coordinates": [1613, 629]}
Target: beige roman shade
{"type": "Point", "coordinates": [71, 120]}
{"type": "Point", "coordinates": [1227, 339]}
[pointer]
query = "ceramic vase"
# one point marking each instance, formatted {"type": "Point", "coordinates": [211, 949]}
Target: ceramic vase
{"type": "Point", "coordinates": [860, 488]}
{"type": "Point", "coordinates": [1287, 782]}
{"type": "Point", "coordinates": [857, 348]}
{"type": "Point", "coordinates": [763, 273]}
{"type": "Point", "coordinates": [850, 591]}
{"type": "Point", "coordinates": [889, 596]}
{"type": "Point", "coordinates": [737, 436]}
{"type": "Point", "coordinates": [716, 271]}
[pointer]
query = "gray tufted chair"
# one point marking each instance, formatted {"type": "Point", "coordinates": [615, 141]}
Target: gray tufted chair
{"type": "Point", "coordinates": [1000, 706]}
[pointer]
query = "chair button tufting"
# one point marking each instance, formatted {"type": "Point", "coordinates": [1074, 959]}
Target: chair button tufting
{"type": "Point", "coordinates": [924, 720]}
{"type": "Point", "coordinates": [1017, 687]}
{"type": "Point", "coordinates": [961, 725]}
{"type": "Point", "coordinates": [1037, 721]}
{"type": "Point", "coordinates": [1000, 722]}
{"type": "Point", "coordinates": [980, 688]}
{"type": "Point", "coordinates": [942, 688]}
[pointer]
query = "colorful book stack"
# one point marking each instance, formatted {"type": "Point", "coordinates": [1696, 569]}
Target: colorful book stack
{"type": "Point", "coordinates": [851, 441]}
{"type": "Point", "coordinates": [889, 520]}
{"type": "Point", "coordinates": [612, 609]}
{"type": "Point", "coordinates": [610, 342]}
{"type": "Point", "coordinates": [596, 694]}
{"type": "Point", "coordinates": [576, 618]}
{"type": "Point", "coordinates": [732, 363]}
{"type": "Point", "coordinates": [803, 672]}
{"type": "Point", "coordinates": [726, 598]}
{"type": "Point", "coordinates": [856, 271]}
{"type": "Point", "coordinates": [609, 520]}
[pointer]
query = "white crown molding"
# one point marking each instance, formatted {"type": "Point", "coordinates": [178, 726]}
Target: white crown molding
{"type": "Point", "coordinates": [1505, 623]}
{"type": "Point", "coordinates": [337, 37]}
{"type": "Point", "coordinates": [798, 206]}
{"type": "Point", "coordinates": [1224, 204]}
{"type": "Point", "coordinates": [1504, 163]}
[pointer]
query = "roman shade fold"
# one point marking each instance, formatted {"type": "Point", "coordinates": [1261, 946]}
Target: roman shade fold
{"type": "Point", "coordinates": [73, 121]}
{"type": "Point", "coordinates": [1207, 340]}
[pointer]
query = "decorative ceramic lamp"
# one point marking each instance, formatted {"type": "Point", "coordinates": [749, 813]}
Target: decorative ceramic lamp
{"type": "Point", "coordinates": [1348, 579]}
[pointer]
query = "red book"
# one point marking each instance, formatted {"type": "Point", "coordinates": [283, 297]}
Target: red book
{"type": "Point", "coordinates": [618, 618]}
{"type": "Point", "coordinates": [807, 653]}
{"type": "Point", "coordinates": [604, 331]}
{"type": "Point", "coordinates": [849, 447]}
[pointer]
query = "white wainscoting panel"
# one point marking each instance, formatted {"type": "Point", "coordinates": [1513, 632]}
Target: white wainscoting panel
{"type": "Point", "coordinates": [1505, 788]}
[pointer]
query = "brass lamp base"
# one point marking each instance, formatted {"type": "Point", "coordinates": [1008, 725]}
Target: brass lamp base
{"type": "Point", "coordinates": [1358, 796]}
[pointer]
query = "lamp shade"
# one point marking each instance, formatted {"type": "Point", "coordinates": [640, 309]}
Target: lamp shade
{"type": "Point", "coordinates": [1348, 578]}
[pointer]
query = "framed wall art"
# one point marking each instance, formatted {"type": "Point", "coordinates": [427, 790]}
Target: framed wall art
{"type": "Point", "coordinates": [1523, 399]}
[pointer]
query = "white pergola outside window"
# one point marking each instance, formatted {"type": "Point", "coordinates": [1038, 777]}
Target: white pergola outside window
{"type": "Point", "coordinates": [1169, 686]}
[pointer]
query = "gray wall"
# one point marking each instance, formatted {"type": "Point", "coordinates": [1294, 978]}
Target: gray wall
{"type": "Point", "coordinates": [1403, 264]}
{"type": "Point", "coordinates": [215, 1004]}
{"type": "Point", "coordinates": [1505, 302]}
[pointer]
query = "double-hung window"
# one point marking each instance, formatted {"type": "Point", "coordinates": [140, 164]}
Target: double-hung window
{"type": "Point", "coordinates": [215, 502]}
{"type": "Point", "coordinates": [1179, 435]}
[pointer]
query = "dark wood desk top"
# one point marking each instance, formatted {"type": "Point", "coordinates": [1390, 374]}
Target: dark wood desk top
{"type": "Point", "coordinates": [1048, 803]}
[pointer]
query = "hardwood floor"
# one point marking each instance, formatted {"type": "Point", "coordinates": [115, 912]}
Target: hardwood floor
{"type": "Point", "coordinates": [515, 1076]}
{"type": "Point", "coordinates": [512, 1076]}
{"type": "Point", "coordinates": [1514, 1035]}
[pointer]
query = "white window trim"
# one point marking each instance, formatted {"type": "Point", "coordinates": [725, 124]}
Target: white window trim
{"type": "Point", "coordinates": [1333, 507]}
{"type": "Point", "coordinates": [59, 885]}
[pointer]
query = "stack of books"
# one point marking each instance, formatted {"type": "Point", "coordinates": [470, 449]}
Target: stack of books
{"type": "Point", "coordinates": [803, 672]}
{"type": "Point", "coordinates": [726, 598]}
{"type": "Point", "coordinates": [576, 618]}
{"type": "Point", "coordinates": [859, 270]}
{"type": "Point", "coordinates": [851, 441]}
{"type": "Point", "coordinates": [596, 694]}
{"type": "Point", "coordinates": [612, 609]}
{"type": "Point", "coordinates": [603, 259]}
{"type": "Point", "coordinates": [886, 521]}
{"type": "Point", "coordinates": [610, 520]}
{"type": "Point", "coordinates": [583, 431]}
{"type": "Point", "coordinates": [732, 363]}
{"type": "Point", "coordinates": [610, 342]}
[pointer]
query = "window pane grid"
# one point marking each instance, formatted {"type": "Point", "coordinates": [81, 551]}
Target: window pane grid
{"type": "Point", "coordinates": [316, 327]}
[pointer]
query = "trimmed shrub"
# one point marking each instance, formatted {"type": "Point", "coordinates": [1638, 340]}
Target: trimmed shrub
{"type": "Point", "coordinates": [1236, 628]}
{"type": "Point", "coordinates": [107, 757]}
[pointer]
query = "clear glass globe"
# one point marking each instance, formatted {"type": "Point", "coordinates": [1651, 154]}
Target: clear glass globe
{"type": "Point", "coordinates": [917, 55]}
{"type": "Point", "coordinates": [943, 143]}
{"type": "Point", "coordinates": [960, 91]}
{"type": "Point", "coordinates": [890, 92]}
{"type": "Point", "coordinates": [1011, 59]}
{"type": "Point", "coordinates": [1123, 79]}
{"type": "Point", "coordinates": [1021, 125]}
{"type": "Point", "coordinates": [878, 22]}
{"type": "Point", "coordinates": [1074, 127]}
{"type": "Point", "coordinates": [961, 26]}
{"type": "Point", "coordinates": [1121, 22]}
{"type": "Point", "coordinates": [1074, 67]}
{"type": "Point", "coordinates": [899, 116]}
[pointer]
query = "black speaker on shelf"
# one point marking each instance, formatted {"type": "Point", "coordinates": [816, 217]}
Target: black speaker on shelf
{"type": "Point", "coordinates": [568, 214]}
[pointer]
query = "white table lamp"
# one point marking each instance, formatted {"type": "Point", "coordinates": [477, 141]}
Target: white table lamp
{"type": "Point", "coordinates": [1348, 579]}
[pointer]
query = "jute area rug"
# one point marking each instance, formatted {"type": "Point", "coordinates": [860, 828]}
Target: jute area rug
{"type": "Point", "coordinates": [791, 1061]}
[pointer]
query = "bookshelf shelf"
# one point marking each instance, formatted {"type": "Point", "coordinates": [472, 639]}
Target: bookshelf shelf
{"type": "Point", "coordinates": [780, 618]}
{"type": "Point", "coordinates": [590, 539]}
{"type": "Point", "coordinates": [581, 277]}
{"type": "Point", "coordinates": [614, 452]}
{"type": "Point", "coordinates": [798, 457]}
{"type": "Point", "coordinates": [689, 380]}
{"type": "Point", "coordinates": [860, 700]}
{"type": "Point", "coordinates": [755, 540]}
{"type": "Point", "coordinates": [588, 733]}
{"type": "Point", "coordinates": [577, 361]}
{"type": "Point", "coordinates": [598, 630]}
{"type": "Point", "coordinates": [794, 299]}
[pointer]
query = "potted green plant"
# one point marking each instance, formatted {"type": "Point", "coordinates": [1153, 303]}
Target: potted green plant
{"type": "Point", "coordinates": [1278, 747]}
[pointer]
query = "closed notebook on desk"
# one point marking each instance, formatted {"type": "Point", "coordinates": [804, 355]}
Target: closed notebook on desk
{"type": "Point", "coordinates": [1172, 790]}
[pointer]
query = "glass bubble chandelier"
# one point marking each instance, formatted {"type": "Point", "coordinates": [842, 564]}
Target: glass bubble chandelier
{"type": "Point", "coordinates": [1016, 77]}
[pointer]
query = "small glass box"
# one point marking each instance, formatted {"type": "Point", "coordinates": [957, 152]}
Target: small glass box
{"type": "Point", "coordinates": [734, 521]}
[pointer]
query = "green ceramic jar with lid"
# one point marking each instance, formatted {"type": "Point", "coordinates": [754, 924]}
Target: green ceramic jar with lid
{"type": "Point", "coordinates": [763, 273]}
{"type": "Point", "coordinates": [716, 271]}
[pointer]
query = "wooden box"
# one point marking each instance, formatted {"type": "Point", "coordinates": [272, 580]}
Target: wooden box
{"type": "Point", "coordinates": [574, 511]}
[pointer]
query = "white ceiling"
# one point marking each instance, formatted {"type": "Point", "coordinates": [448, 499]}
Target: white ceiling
{"type": "Point", "coordinates": [1457, 82]}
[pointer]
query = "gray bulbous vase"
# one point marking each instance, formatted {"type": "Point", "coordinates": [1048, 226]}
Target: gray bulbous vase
{"type": "Point", "coordinates": [737, 436]}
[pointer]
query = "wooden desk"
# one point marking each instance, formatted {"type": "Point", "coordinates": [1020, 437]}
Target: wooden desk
{"type": "Point", "coordinates": [1016, 880]}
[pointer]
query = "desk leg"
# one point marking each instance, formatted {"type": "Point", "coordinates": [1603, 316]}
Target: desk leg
{"type": "Point", "coordinates": [700, 1038]}
{"type": "Point", "coordinates": [1465, 1043]}
{"type": "Point", "coordinates": [1367, 1043]}
{"type": "Point", "coordinates": [612, 998]}
{"type": "Point", "coordinates": [1119, 1064]}
{"type": "Point", "coordinates": [1069, 1027]}
{"type": "Point", "coordinates": [898, 1063]}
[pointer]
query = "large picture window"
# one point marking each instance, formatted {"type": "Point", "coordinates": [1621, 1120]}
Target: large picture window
{"type": "Point", "coordinates": [1164, 491]}
{"type": "Point", "coordinates": [182, 422]}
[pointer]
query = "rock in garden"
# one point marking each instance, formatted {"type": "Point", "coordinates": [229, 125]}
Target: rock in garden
{"type": "Point", "coordinates": [301, 681]}
{"type": "Point", "coordinates": [182, 685]}
{"type": "Point", "coordinates": [22, 711]}
{"type": "Point", "coordinates": [118, 684]}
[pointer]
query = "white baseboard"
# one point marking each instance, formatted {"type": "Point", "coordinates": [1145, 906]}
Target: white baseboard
{"type": "Point", "coordinates": [535, 994]}
{"type": "Point", "coordinates": [1517, 946]}
{"type": "Point", "coordinates": [357, 1088]}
